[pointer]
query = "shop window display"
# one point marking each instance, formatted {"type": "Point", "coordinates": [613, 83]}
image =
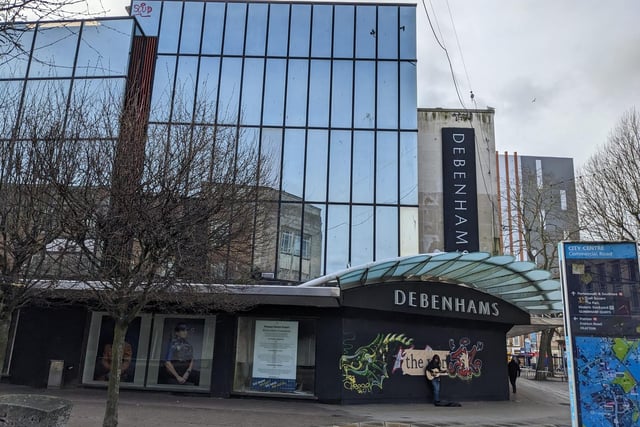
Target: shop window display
{"type": "Point", "coordinates": [275, 356]}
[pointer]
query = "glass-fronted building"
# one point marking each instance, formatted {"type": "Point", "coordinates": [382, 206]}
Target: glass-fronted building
{"type": "Point", "coordinates": [326, 94]}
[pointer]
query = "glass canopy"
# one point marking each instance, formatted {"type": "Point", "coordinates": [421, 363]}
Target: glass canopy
{"type": "Point", "coordinates": [517, 282]}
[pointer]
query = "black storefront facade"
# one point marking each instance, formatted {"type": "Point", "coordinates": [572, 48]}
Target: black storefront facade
{"type": "Point", "coordinates": [350, 338]}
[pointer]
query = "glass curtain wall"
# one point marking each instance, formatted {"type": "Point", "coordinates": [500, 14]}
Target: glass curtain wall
{"type": "Point", "coordinates": [327, 92]}
{"type": "Point", "coordinates": [62, 87]}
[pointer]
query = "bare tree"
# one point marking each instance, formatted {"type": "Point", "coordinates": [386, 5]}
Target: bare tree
{"type": "Point", "coordinates": [160, 211]}
{"type": "Point", "coordinates": [609, 184]}
{"type": "Point", "coordinates": [31, 243]}
{"type": "Point", "coordinates": [542, 219]}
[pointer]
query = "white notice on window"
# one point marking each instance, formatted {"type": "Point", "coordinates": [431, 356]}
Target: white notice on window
{"type": "Point", "coordinates": [276, 349]}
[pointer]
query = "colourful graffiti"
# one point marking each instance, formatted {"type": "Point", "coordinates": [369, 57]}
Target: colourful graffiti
{"type": "Point", "coordinates": [462, 361]}
{"type": "Point", "coordinates": [366, 368]}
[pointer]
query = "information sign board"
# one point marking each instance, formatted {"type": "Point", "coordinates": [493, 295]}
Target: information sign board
{"type": "Point", "coordinates": [601, 295]}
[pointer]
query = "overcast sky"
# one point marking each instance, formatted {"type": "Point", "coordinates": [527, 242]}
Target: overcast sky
{"type": "Point", "coordinates": [559, 73]}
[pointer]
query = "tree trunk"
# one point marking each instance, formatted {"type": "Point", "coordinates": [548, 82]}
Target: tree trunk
{"type": "Point", "coordinates": [545, 358]}
{"type": "Point", "coordinates": [5, 326]}
{"type": "Point", "coordinates": [113, 390]}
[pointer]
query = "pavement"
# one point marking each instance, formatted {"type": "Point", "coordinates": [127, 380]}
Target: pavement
{"type": "Point", "coordinates": [536, 404]}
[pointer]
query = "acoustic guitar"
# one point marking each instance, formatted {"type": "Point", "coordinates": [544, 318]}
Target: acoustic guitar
{"type": "Point", "coordinates": [431, 375]}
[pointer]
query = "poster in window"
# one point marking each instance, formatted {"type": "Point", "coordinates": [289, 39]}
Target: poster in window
{"type": "Point", "coordinates": [97, 369]}
{"type": "Point", "coordinates": [102, 369]}
{"type": "Point", "coordinates": [182, 355]}
{"type": "Point", "coordinates": [275, 356]}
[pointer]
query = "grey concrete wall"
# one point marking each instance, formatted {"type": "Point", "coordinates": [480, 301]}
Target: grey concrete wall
{"type": "Point", "coordinates": [430, 123]}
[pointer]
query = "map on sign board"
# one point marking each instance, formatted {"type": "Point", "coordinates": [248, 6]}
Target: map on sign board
{"type": "Point", "coordinates": [608, 376]}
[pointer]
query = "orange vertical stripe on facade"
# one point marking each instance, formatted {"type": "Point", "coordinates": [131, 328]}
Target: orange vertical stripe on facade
{"type": "Point", "coordinates": [521, 240]}
{"type": "Point", "coordinates": [500, 231]}
{"type": "Point", "coordinates": [508, 191]}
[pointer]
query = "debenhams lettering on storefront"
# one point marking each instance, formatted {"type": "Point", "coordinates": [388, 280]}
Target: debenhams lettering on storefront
{"type": "Point", "coordinates": [444, 303]}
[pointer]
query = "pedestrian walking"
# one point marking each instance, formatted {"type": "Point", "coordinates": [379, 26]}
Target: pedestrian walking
{"type": "Point", "coordinates": [514, 372]}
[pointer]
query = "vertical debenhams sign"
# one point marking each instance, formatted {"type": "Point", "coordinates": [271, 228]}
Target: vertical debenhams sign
{"type": "Point", "coordinates": [460, 196]}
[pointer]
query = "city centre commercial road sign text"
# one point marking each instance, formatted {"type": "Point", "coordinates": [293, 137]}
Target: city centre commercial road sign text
{"type": "Point", "coordinates": [460, 196]}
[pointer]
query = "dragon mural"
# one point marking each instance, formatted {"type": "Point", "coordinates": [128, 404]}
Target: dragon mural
{"type": "Point", "coordinates": [369, 363]}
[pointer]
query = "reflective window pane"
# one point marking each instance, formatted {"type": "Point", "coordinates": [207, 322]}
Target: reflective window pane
{"type": "Point", "coordinates": [319, 84]}
{"type": "Point", "coordinates": [316, 179]}
{"type": "Point", "coordinates": [388, 32]}
{"type": "Point", "coordinates": [361, 235]}
{"type": "Point", "coordinates": [251, 109]}
{"type": "Point", "coordinates": [321, 31]}
{"type": "Point", "coordinates": [228, 103]}
{"type": "Point", "coordinates": [207, 89]}
{"type": "Point", "coordinates": [97, 107]}
{"type": "Point", "coordinates": [340, 166]}
{"type": "Point", "coordinates": [44, 99]}
{"type": "Point", "coordinates": [409, 168]}
{"type": "Point", "coordinates": [343, 32]}
{"type": "Point", "coordinates": [278, 30]}
{"type": "Point", "coordinates": [364, 108]}
{"type": "Point", "coordinates": [213, 25]}
{"type": "Point", "coordinates": [293, 162]}
{"type": "Point", "coordinates": [104, 48]}
{"type": "Point", "coordinates": [234, 29]}
{"type": "Point", "coordinates": [15, 48]}
{"type": "Point", "coordinates": [337, 238]}
{"type": "Point", "coordinates": [313, 232]}
{"type": "Point", "coordinates": [10, 94]}
{"type": "Point", "coordinates": [170, 27]}
{"type": "Point", "coordinates": [248, 146]}
{"type": "Point", "coordinates": [408, 33]}
{"type": "Point", "coordinates": [274, 92]}
{"type": "Point", "coordinates": [387, 168]}
{"type": "Point", "coordinates": [341, 95]}
{"type": "Point", "coordinates": [366, 32]}
{"type": "Point", "coordinates": [162, 88]}
{"type": "Point", "coordinates": [270, 153]}
{"type": "Point", "coordinates": [386, 232]}
{"type": "Point", "coordinates": [300, 26]}
{"type": "Point", "coordinates": [191, 27]}
{"type": "Point", "coordinates": [256, 29]}
{"type": "Point", "coordinates": [297, 92]}
{"type": "Point", "coordinates": [388, 95]}
{"type": "Point", "coordinates": [54, 50]}
{"type": "Point", "coordinates": [363, 167]}
{"type": "Point", "coordinates": [185, 89]}
{"type": "Point", "coordinates": [408, 96]}
{"type": "Point", "coordinates": [290, 242]}
{"type": "Point", "coordinates": [264, 253]}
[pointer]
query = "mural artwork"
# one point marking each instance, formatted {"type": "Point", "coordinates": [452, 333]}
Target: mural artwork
{"type": "Point", "coordinates": [462, 362]}
{"type": "Point", "coordinates": [366, 368]}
